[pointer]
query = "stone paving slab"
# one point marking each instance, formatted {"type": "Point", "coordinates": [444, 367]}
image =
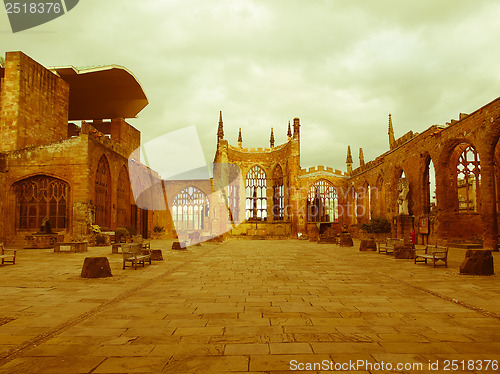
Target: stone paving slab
{"type": "Point", "coordinates": [243, 306]}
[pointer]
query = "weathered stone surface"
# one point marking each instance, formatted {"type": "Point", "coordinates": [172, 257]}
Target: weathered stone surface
{"type": "Point", "coordinates": [368, 245]}
{"type": "Point", "coordinates": [406, 251]}
{"type": "Point", "coordinates": [179, 245]}
{"type": "Point", "coordinates": [346, 240]}
{"type": "Point", "coordinates": [477, 262]}
{"type": "Point", "coordinates": [156, 255]}
{"type": "Point", "coordinates": [96, 267]}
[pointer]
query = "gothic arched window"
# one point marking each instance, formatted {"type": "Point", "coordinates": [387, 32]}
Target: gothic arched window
{"type": "Point", "coordinates": [190, 210]}
{"type": "Point", "coordinates": [278, 194]}
{"type": "Point", "coordinates": [102, 193]}
{"type": "Point", "coordinates": [256, 201]}
{"type": "Point", "coordinates": [322, 202]}
{"type": "Point", "coordinates": [39, 197]}
{"type": "Point", "coordinates": [123, 198]}
{"type": "Point", "coordinates": [468, 179]}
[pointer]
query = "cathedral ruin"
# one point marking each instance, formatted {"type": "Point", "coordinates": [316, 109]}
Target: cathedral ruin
{"type": "Point", "coordinates": [78, 174]}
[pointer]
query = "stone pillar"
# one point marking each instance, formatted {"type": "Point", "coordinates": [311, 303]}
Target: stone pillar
{"type": "Point", "coordinates": [488, 204]}
{"type": "Point", "coordinates": [404, 226]}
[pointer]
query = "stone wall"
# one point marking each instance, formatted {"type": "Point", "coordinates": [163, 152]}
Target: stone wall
{"type": "Point", "coordinates": [442, 145]}
{"type": "Point", "coordinates": [34, 104]}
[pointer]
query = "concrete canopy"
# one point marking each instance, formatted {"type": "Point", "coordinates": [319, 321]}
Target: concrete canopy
{"type": "Point", "coordinates": [104, 92]}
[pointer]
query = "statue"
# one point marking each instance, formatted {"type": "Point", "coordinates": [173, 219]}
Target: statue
{"type": "Point", "coordinates": [403, 190]}
{"type": "Point", "coordinates": [45, 227]}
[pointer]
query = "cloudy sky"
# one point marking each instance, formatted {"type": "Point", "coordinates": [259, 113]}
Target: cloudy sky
{"type": "Point", "coordinates": [341, 66]}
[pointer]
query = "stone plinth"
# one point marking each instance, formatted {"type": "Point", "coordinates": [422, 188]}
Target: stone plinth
{"type": "Point", "coordinates": [406, 251]}
{"type": "Point", "coordinates": [179, 245]}
{"type": "Point", "coordinates": [43, 240]}
{"type": "Point", "coordinates": [367, 245]}
{"type": "Point", "coordinates": [477, 262]}
{"type": "Point", "coordinates": [346, 240]}
{"type": "Point", "coordinates": [96, 267]}
{"type": "Point", "coordinates": [404, 227]}
{"type": "Point", "coordinates": [156, 255]}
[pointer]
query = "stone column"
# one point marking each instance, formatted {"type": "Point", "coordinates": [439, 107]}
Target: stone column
{"type": "Point", "coordinates": [488, 203]}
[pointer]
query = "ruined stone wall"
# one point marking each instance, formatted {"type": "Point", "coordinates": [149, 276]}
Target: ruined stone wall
{"type": "Point", "coordinates": [481, 129]}
{"type": "Point", "coordinates": [127, 136]}
{"type": "Point", "coordinates": [65, 160]}
{"type": "Point", "coordinates": [34, 104]}
{"type": "Point", "coordinates": [307, 179]}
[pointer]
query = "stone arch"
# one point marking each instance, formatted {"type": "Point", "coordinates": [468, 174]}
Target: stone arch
{"type": "Point", "coordinates": [278, 194]}
{"type": "Point", "coordinates": [398, 173]}
{"type": "Point", "coordinates": [378, 196]}
{"type": "Point", "coordinates": [429, 200]}
{"type": "Point", "coordinates": [102, 193]}
{"type": "Point", "coordinates": [123, 198]}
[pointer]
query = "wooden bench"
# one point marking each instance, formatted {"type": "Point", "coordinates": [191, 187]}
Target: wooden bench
{"type": "Point", "coordinates": [134, 254]}
{"type": "Point", "coordinates": [434, 253]}
{"type": "Point", "coordinates": [389, 245]}
{"type": "Point", "coordinates": [7, 255]}
{"type": "Point", "coordinates": [73, 246]}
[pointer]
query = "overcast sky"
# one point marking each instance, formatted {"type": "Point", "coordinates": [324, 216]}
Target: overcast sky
{"type": "Point", "coordinates": [340, 66]}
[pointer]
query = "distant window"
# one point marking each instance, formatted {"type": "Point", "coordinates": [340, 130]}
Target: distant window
{"type": "Point", "coordinates": [322, 202]}
{"type": "Point", "coordinates": [39, 197]}
{"type": "Point", "coordinates": [190, 210]}
{"type": "Point", "coordinates": [256, 200]}
{"type": "Point", "coordinates": [102, 193]}
{"type": "Point", "coordinates": [123, 199]}
{"type": "Point", "coordinates": [278, 194]}
{"type": "Point", "coordinates": [468, 180]}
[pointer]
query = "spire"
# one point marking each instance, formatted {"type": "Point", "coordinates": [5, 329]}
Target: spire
{"type": "Point", "coordinates": [271, 139]}
{"type": "Point", "coordinates": [220, 131]}
{"type": "Point", "coordinates": [289, 134]}
{"type": "Point", "coordinates": [391, 133]}
{"type": "Point", "coordinates": [361, 157]}
{"type": "Point", "coordinates": [296, 128]}
{"type": "Point", "coordinates": [240, 139]}
{"type": "Point", "coordinates": [349, 159]}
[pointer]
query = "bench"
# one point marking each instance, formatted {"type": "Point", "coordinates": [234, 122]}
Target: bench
{"type": "Point", "coordinates": [434, 253]}
{"type": "Point", "coordinates": [73, 246]}
{"type": "Point", "coordinates": [134, 254]}
{"type": "Point", "coordinates": [7, 255]}
{"type": "Point", "coordinates": [389, 245]}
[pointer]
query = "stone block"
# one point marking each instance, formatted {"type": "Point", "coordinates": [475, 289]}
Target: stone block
{"type": "Point", "coordinates": [96, 267]}
{"type": "Point", "coordinates": [404, 252]}
{"type": "Point", "coordinates": [477, 262]}
{"type": "Point", "coordinates": [346, 240]}
{"type": "Point", "coordinates": [367, 245]}
{"type": "Point", "coordinates": [179, 245]}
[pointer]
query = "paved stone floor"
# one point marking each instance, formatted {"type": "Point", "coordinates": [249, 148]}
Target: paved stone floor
{"type": "Point", "coordinates": [246, 306]}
